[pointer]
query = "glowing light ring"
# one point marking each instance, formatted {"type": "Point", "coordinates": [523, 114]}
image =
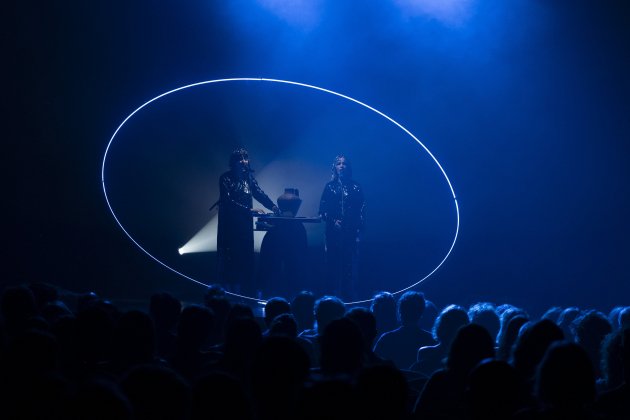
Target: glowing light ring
{"type": "Point", "coordinates": [288, 83]}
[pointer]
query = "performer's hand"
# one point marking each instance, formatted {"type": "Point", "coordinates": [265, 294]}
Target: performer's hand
{"type": "Point", "coordinates": [338, 224]}
{"type": "Point", "coordinates": [259, 211]}
{"type": "Point", "coordinates": [276, 210]}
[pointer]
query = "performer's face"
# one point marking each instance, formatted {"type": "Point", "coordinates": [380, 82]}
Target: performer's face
{"type": "Point", "coordinates": [340, 166]}
{"type": "Point", "coordinates": [243, 164]}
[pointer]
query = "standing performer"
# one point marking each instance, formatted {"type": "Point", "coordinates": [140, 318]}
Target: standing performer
{"type": "Point", "coordinates": [342, 208]}
{"type": "Point", "coordinates": [235, 236]}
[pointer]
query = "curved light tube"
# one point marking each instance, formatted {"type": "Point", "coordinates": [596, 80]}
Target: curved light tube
{"type": "Point", "coordinates": [288, 83]}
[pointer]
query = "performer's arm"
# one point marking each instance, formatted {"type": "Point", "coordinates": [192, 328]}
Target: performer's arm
{"type": "Point", "coordinates": [261, 197]}
{"type": "Point", "coordinates": [324, 203]}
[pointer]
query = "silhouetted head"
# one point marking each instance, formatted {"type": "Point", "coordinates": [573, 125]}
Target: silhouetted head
{"type": "Point", "coordinates": [448, 322]}
{"type": "Point", "coordinates": [242, 339]}
{"type": "Point", "coordinates": [134, 338]}
{"type": "Point", "coordinates": [284, 324]}
{"type": "Point", "coordinates": [533, 341]}
{"type": "Point", "coordinates": [552, 314]}
{"type": "Point", "coordinates": [280, 364]}
{"type": "Point", "coordinates": [565, 377]}
{"type": "Point", "coordinates": [341, 168]}
{"type": "Point", "coordinates": [327, 309]}
{"type": "Point", "coordinates": [624, 318]}
{"type": "Point", "coordinates": [342, 347]}
{"type": "Point", "coordinates": [508, 336]}
{"type": "Point", "coordinates": [165, 310]}
{"type": "Point", "coordinates": [590, 330]}
{"type": "Point", "coordinates": [495, 391]}
{"type": "Point", "coordinates": [94, 331]}
{"type": "Point", "coordinates": [471, 345]}
{"type": "Point", "coordinates": [383, 307]}
{"type": "Point", "coordinates": [429, 315]}
{"type": "Point", "coordinates": [485, 314]}
{"type": "Point", "coordinates": [220, 306]}
{"type": "Point", "coordinates": [612, 359]}
{"type": "Point", "coordinates": [239, 160]}
{"type": "Point", "coordinates": [274, 307]}
{"type": "Point", "coordinates": [278, 372]}
{"type": "Point", "coordinates": [366, 322]}
{"type": "Point", "coordinates": [157, 392]}
{"type": "Point", "coordinates": [195, 326]}
{"type": "Point", "coordinates": [382, 392]}
{"type": "Point", "coordinates": [613, 316]}
{"type": "Point", "coordinates": [238, 311]}
{"type": "Point", "coordinates": [411, 307]}
{"type": "Point", "coordinates": [302, 307]}
{"type": "Point", "coordinates": [220, 396]}
{"type": "Point", "coordinates": [565, 321]}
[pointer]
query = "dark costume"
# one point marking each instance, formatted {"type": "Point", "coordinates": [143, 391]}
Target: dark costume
{"type": "Point", "coordinates": [342, 201]}
{"type": "Point", "coordinates": [235, 236]}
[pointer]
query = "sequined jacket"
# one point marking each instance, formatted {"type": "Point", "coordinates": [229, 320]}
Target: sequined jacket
{"type": "Point", "coordinates": [343, 201]}
{"type": "Point", "coordinates": [235, 219]}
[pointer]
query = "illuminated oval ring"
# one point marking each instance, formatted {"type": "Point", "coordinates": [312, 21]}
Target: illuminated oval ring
{"type": "Point", "coordinates": [288, 83]}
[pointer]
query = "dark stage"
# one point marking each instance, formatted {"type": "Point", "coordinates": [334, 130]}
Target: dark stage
{"type": "Point", "coordinates": [524, 104]}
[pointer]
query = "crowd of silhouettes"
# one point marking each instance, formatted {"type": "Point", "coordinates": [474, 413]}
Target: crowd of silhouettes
{"type": "Point", "coordinates": [68, 356]}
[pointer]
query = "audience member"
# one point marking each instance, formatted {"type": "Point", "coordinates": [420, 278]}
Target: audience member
{"type": "Point", "coordinates": [92, 360]}
{"type": "Point", "coordinates": [303, 308]}
{"type": "Point", "coordinates": [165, 310]}
{"type": "Point", "coordinates": [565, 321]}
{"type": "Point", "coordinates": [274, 307]}
{"type": "Point", "coordinates": [495, 391]}
{"type": "Point", "coordinates": [590, 330]}
{"type": "Point", "coordinates": [508, 336]}
{"type": "Point", "coordinates": [383, 307]}
{"type": "Point", "coordinates": [485, 314]}
{"type": "Point", "coordinates": [401, 345]}
{"type": "Point", "coordinates": [432, 358]}
{"type": "Point", "coordinates": [327, 309]}
{"type": "Point", "coordinates": [443, 397]}
{"type": "Point", "coordinates": [565, 383]}
{"type": "Point", "coordinates": [341, 349]}
{"type": "Point", "coordinates": [615, 403]}
{"type": "Point", "coordinates": [366, 322]}
{"type": "Point", "coordinates": [533, 341]}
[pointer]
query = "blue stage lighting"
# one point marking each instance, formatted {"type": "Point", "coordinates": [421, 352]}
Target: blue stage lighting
{"type": "Point", "coordinates": [294, 84]}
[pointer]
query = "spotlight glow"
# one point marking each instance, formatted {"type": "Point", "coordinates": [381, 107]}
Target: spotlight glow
{"type": "Point", "coordinates": [450, 12]}
{"type": "Point", "coordinates": [194, 248]}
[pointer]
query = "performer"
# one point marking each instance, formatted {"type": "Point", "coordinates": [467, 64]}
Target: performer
{"type": "Point", "coordinates": [235, 236]}
{"type": "Point", "coordinates": [342, 207]}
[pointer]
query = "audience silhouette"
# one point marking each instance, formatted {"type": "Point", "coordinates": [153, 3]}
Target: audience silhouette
{"type": "Point", "coordinates": [401, 345]}
{"type": "Point", "coordinates": [448, 322]}
{"type": "Point", "coordinates": [81, 356]}
{"type": "Point", "coordinates": [443, 396]}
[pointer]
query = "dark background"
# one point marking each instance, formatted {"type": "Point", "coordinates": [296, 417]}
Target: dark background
{"type": "Point", "coordinates": [524, 103]}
